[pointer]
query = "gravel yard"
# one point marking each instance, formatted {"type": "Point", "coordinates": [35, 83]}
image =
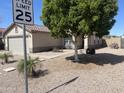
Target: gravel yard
{"type": "Point", "coordinates": [100, 73]}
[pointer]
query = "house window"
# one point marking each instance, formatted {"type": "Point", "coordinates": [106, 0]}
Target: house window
{"type": "Point", "coordinates": [16, 29]}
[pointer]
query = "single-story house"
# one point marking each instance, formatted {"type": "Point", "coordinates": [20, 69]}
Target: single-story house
{"type": "Point", "coordinates": [122, 42]}
{"type": "Point", "coordinates": [1, 38]}
{"type": "Point", "coordinates": [109, 40]}
{"type": "Point", "coordinates": [1, 32]}
{"type": "Point", "coordinates": [92, 42]}
{"type": "Point", "coordinates": [68, 43]}
{"type": "Point", "coordinates": [38, 39]}
{"type": "Point", "coordinates": [84, 42]}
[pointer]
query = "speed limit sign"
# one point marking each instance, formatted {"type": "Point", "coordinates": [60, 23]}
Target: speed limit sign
{"type": "Point", "coordinates": [23, 11]}
{"type": "Point", "coordinates": [23, 14]}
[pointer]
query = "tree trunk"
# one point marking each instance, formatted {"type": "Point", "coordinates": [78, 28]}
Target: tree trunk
{"type": "Point", "coordinates": [74, 38]}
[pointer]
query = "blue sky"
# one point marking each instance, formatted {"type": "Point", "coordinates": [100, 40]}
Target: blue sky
{"type": "Point", "coordinates": [6, 15]}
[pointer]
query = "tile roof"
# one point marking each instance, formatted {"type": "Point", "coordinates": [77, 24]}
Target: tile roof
{"type": "Point", "coordinates": [2, 29]}
{"type": "Point", "coordinates": [37, 28]}
{"type": "Point", "coordinates": [30, 28]}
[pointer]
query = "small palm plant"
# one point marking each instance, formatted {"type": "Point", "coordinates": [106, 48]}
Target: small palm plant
{"type": "Point", "coordinates": [6, 56]}
{"type": "Point", "coordinates": [31, 66]}
{"type": "Point", "coordinates": [2, 58]}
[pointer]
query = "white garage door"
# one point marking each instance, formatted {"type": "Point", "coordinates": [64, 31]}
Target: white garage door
{"type": "Point", "coordinates": [16, 45]}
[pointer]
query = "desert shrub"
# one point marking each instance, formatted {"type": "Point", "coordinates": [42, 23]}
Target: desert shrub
{"type": "Point", "coordinates": [31, 66]}
{"type": "Point", "coordinates": [6, 56]}
{"type": "Point", "coordinates": [57, 49]}
{"type": "Point", "coordinates": [114, 46]}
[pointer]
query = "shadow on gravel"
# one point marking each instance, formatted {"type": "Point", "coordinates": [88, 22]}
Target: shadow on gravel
{"type": "Point", "coordinates": [98, 59]}
{"type": "Point", "coordinates": [9, 62]}
{"type": "Point", "coordinates": [64, 84]}
{"type": "Point", "coordinates": [41, 73]}
{"type": "Point", "coordinates": [14, 61]}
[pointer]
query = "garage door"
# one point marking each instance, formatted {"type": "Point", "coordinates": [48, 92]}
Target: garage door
{"type": "Point", "coordinates": [16, 45]}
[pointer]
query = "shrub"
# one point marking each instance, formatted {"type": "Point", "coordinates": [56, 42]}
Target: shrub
{"type": "Point", "coordinates": [114, 46]}
{"type": "Point", "coordinates": [31, 66]}
{"type": "Point", "coordinates": [6, 56]}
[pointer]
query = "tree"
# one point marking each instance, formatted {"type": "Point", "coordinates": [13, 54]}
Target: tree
{"type": "Point", "coordinates": [79, 17]}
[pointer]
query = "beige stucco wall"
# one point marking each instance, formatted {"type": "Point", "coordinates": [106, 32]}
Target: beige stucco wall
{"type": "Point", "coordinates": [44, 41]}
{"type": "Point", "coordinates": [68, 43]}
{"type": "Point", "coordinates": [122, 42]}
{"type": "Point", "coordinates": [109, 41]}
{"type": "Point", "coordinates": [92, 42]}
{"type": "Point", "coordinates": [16, 32]}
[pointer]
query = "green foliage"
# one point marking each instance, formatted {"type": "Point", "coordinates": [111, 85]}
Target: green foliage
{"type": "Point", "coordinates": [67, 18]}
{"type": "Point", "coordinates": [31, 64]}
{"type": "Point", "coordinates": [2, 56]}
{"type": "Point", "coordinates": [75, 17]}
{"type": "Point", "coordinates": [5, 56]}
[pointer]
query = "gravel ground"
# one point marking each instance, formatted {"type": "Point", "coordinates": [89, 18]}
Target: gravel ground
{"type": "Point", "coordinates": [100, 73]}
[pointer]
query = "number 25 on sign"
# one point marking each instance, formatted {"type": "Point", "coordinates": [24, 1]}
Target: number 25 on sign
{"type": "Point", "coordinates": [23, 11]}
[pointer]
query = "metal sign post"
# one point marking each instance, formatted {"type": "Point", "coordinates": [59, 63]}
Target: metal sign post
{"type": "Point", "coordinates": [25, 59]}
{"type": "Point", "coordinates": [23, 14]}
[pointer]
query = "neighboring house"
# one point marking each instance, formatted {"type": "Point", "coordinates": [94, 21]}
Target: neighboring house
{"type": "Point", "coordinates": [122, 42]}
{"type": "Point", "coordinates": [1, 32]}
{"type": "Point", "coordinates": [38, 39]}
{"type": "Point", "coordinates": [84, 42]}
{"type": "Point", "coordinates": [1, 38]}
{"type": "Point", "coordinates": [68, 43]}
{"type": "Point", "coordinates": [92, 42]}
{"type": "Point", "coordinates": [116, 39]}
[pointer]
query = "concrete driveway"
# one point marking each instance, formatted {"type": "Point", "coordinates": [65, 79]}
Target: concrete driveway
{"type": "Point", "coordinates": [51, 54]}
{"type": "Point", "coordinates": [46, 55]}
